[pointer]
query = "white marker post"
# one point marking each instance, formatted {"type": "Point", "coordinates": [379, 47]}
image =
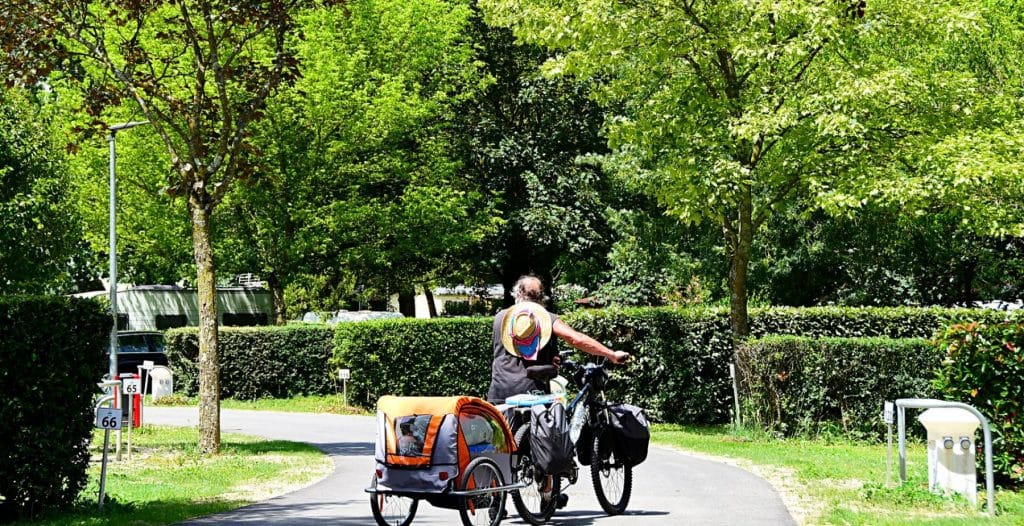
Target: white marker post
{"type": "Point", "coordinates": [887, 417]}
{"type": "Point", "coordinates": [107, 418]}
{"type": "Point", "coordinates": [344, 375]}
{"type": "Point", "coordinates": [130, 387]}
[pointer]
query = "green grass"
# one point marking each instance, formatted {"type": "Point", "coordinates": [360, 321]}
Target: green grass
{"type": "Point", "coordinates": [301, 404]}
{"type": "Point", "coordinates": [168, 481]}
{"type": "Point", "coordinates": [841, 482]}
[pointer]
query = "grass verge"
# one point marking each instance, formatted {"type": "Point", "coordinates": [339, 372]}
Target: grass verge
{"type": "Point", "coordinates": [331, 404]}
{"type": "Point", "coordinates": [838, 482]}
{"type": "Point", "coordinates": [168, 481]}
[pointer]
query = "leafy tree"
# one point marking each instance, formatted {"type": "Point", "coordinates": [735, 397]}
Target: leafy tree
{"type": "Point", "coordinates": [200, 71]}
{"type": "Point", "coordinates": [523, 139]}
{"type": "Point", "coordinates": [883, 257]}
{"type": "Point", "coordinates": [357, 188]}
{"type": "Point", "coordinates": [39, 231]}
{"type": "Point", "coordinates": [726, 111]}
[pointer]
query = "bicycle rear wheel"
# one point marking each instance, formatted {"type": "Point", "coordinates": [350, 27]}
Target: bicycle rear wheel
{"type": "Point", "coordinates": [528, 501]}
{"type": "Point", "coordinates": [613, 480]}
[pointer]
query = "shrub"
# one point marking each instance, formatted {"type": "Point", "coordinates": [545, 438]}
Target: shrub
{"type": "Point", "coordinates": [680, 366]}
{"type": "Point", "coordinates": [437, 357]}
{"type": "Point", "coordinates": [258, 362]}
{"type": "Point", "coordinates": [793, 384]}
{"type": "Point", "coordinates": [984, 367]}
{"type": "Point", "coordinates": [53, 351]}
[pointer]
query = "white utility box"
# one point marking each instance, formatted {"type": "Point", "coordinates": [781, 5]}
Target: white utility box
{"type": "Point", "coordinates": [163, 382]}
{"type": "Point", "coordinates": [951, 456]}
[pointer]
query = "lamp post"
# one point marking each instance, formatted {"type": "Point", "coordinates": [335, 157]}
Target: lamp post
{"type": "Point", "coordinates": [113, 241]}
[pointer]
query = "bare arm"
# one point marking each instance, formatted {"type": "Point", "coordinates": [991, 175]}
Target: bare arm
{"type": "Point", "coordinates": [586, 344]}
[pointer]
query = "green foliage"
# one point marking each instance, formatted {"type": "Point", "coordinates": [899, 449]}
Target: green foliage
{"type": "Point", "coordinates": [258, 362]}
{"type": "Point", "coordinates": [356, 193]}
{"type": "Point", "coordinates": [984, 366]}
{"type": "Point", "coordinates": [53, 350]}
{"type": "Point", "coordinates": [436, 357]}
{"type": "Point", "coordinates": [40, 231]}
{"type": "Point", "coordinates": [521, 139]}
{"type": "Point", "coordinates": [883, 256]}
{"type": "Point", "coordinates": [480, 307]}
{"type": "Point", "coordinates": [795, 384]}
{"type": "Point", "coordinates": [679, 370]}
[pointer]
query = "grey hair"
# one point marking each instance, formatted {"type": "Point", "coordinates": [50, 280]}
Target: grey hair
{"type": "Point", "coordinates": [523, 291]}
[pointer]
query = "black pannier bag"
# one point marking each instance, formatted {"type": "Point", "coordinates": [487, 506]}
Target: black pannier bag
{"type": "Point", "coordinates": [550, 446]}
{"type": "Point", "coordinates": [585, 445]}
{"type": "Point", "coordinates": [632, 435]}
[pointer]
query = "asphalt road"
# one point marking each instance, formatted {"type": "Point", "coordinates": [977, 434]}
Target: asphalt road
{"type": "Point", "coordinates": [669, 488]}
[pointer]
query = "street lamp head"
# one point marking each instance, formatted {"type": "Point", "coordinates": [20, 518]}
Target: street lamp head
{"type": "Point", "coordinates": [126, 125]}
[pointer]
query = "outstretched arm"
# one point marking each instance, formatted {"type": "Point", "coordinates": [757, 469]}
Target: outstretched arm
{"type": "Point", "coordinates": [586, 344]}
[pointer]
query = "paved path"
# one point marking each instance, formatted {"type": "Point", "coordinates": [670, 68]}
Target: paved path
{"type": "Point", "coordinates": [669, 488]}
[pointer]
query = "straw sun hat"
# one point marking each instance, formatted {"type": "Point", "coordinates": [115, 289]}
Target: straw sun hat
{"type": "Point", "coordinates": [525, 328]}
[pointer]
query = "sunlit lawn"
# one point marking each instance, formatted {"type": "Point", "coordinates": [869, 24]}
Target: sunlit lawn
{"type": "Point", "coordinates": [845, 482]}
{"type": "Point", "coordinates": [169, 481]}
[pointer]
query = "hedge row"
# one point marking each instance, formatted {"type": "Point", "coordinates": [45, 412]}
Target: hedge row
{"type": "Point", "coordinates": [983, 365]}
{"type": "Point", "coordinates": [438, 357]}
{"type": "Point", "coordinates": [679, 371]}
{"type": "Point", "coordinates": [258, 362]}
{"type": "Point", "coordinates": [53, 351]}
{"type": "Point", "coordinates": [794, 385]}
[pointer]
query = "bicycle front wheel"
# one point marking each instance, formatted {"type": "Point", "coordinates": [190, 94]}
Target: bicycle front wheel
{"type": "Point", "coordinates": [613, 480]}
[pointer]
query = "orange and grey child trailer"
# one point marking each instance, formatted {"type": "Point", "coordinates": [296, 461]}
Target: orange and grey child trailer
{"type": "Point", "coordinates": [450, 451]}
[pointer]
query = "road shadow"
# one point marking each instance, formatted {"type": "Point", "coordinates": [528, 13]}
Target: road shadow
{"type": "Point", "coordinates": [284, 512]}
{"type": "Point", "coordinates": [347, 449]}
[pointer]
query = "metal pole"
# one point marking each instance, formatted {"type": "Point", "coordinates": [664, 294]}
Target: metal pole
{"type": "Point", "coordinates": [735, 393]}
{"type": "Point", "coordinates": [901, 421]}
{"type": "Point", "coordinates": [106, 442]}
{"type": "Point", "coordinates": [113, 256]}
{"type": "Point", "coordinates": [131, 423]}
{"type": "Point", "coordinates": [113, 240]}
{"type": "Point", "coordinates": [103, 469]}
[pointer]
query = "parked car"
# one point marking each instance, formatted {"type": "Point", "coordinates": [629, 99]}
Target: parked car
{"type": "Point", "coordinates": [135, 347]}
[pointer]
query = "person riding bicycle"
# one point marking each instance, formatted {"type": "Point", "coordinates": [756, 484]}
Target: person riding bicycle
{"type": "Point", "coordinates": [522, 339]}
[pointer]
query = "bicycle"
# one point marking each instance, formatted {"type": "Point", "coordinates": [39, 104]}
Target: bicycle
{"type": "Point", "coordinates": [591, 431]}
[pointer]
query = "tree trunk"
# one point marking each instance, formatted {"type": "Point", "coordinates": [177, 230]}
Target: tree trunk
{"type": "Point", "coordinates": [277, 291]}
{"type": "Point", "coordinates": [431, 308]}
{"type": "Point", "coordinates": [739, 246]}
{"type": "Point", "coordinates": [209, 362]}
{"type": "Point", "coordinates": [407, 303]}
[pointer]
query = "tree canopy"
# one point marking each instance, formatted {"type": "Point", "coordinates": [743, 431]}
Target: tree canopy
{"type": "Point", "coordinates": [727, 111]}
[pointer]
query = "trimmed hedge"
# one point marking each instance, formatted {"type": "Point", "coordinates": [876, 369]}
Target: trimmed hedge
{"type": "Point", "coordinates": [679, 371]}
{"type": "Point", "coordinates": [984, 366]}
{"type": "Point", "coordinates": [437, 357]}
{"type": "Point", "coordinates": [258, 362]}
{"type": "Point", "coordinates": [794, 384]}
{"type": "Point", "coordinates": [53, 351]}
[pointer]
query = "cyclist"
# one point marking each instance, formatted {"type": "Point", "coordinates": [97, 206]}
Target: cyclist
{"type": "Point", "coordinates": [522, 339]}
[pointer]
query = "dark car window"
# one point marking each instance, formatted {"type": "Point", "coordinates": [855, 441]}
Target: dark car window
{"type": "Point", "coordinates": [156, 341]}
{"type": "Point", "coordinates": [133, 343]}
{"type": "Point", "coordinates": [140, 343]}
